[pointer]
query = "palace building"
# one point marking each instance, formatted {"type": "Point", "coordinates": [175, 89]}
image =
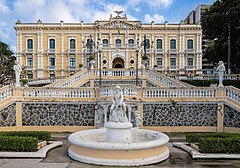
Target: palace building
{"type": "Point", "coordinates": [60, 49]}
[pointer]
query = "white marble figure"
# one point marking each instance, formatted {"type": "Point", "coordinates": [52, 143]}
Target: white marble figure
{"type": "Point", "coordinates": [18, 69]}
{"type": "Point", "coordinates": [118, 107]}
{"type": "Point", "coordinates": [220, 69]}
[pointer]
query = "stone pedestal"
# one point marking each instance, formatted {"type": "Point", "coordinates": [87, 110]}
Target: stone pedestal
{"type": "Point", "coordinates": [118, 132]}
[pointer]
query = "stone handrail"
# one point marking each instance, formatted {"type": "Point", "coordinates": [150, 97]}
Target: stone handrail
{"type": "Point", "coordinates": [205, 77]}
{"type": "Point", "coordinates": [73, 79]}
{"type": "Point", "coordinates": [126, 89]}
{"type": "Point", "coordinates": [178, 92]}
{"type": "Point", "coordinates": [164, 80]}
{"type": "Point", "coordinates": [233, 93]}
{"type": "Point", "coordinates": [5, 92]}
{"type": "Point", "coordinates": [43, 80]}
{"type": "Point", "coordinates": [117, 72]}
{"type": "Point", "coordinates": [59, 92]}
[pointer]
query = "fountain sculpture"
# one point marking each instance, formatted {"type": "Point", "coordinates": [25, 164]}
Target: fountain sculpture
{"type": "Point", "coordinates": [118, 143]}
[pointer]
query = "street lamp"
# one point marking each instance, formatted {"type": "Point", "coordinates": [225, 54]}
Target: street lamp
{"type": "Point", "coordinates": [100, 66]}
{"type": "Point", "coordinates": [90, 44]}
{"type": "Point", "coordinates": [229, 49]}
{"type": "Point", "coordinates": [137, 50]}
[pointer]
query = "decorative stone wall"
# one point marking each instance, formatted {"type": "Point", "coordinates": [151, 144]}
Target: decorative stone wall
{"type": "Point", "coordinates": [231, 117]}
{"type": "Point", "coordinates": [8, 116]}
{"type": "Point", "coordinates": [58, 114]}
{"type": "Point", "coordinates": [180, 114]}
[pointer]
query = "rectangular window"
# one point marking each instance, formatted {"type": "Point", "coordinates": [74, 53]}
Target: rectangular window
{"type": "Point", "coordinates": [52, 75]}
{"type": "Point", "coordinates": [52, 62]}
{"type": "Point", "coordinates": [190, 61]}
{"type": "Point", "coordinates": [72, 62]}
{"type": "Point", "coordinates": [172, 62]}
{"type": "Point", "coordinates": [159, 62]}
{"type": "Point", "coordinates": [30, 62]}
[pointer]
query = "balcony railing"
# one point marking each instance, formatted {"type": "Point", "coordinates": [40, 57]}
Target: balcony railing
{"type": "Point", "coordinates": [190, 51]}
{"type": "Point", "coordinates": [173, 51]}
{"type": "Point", "coordinates": [173, 67]}
{"type": "Point", "coordinates": [29, 51]}
{"type": "Point", "coordinates": [159, 67]}
{"type": "Point", "coordinates": [71, 51]}
{"type": "Point", "coordinates": [29, 67]}
{"type": "Point", "coordinates": [51, 68]}
{"type": "Point", "coordinates": [190, 67]}
{"type": "Point", "coordinates": [159, 51]}
{"type": "Point", "coordinates": [71, 68]}
{"type": "Point", "coordinates": [51, 51]}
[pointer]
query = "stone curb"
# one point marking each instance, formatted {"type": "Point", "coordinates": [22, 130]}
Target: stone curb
{"type": "Point", "coordinates": [197, 155]}
{"type": "Point", "coordinates": [41, 153]}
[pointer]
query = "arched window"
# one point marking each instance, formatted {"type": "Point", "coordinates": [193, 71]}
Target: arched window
{"type": "Point", "coordinates": [172, 44]}
{"type": "Point", "coordinates": [72, 44]}
{"type": "Point", "coordinates": [189, 44]}
{"type": "Point", "coordinates": [30, 44]}
{"type": "Point", "coordinates": [52, 44]}
{"type": "Point", "coordinates": [118, 42]}
{"type": "Point", "coordinates": [159, 43]}
{"type": "Point", "coordinates": [131, 43]}
{"type": "Point", "coordinates": [105, 42]}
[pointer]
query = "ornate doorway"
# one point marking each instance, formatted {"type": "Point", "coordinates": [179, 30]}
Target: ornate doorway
{"type": "Point", "coordinates": [118, 63]}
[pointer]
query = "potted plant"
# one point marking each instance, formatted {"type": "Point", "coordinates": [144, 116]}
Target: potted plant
{"type": "Point", "coordinates": [91, 57]}
{"type": "Point", "coordinates": [155, 66]}
{"type": "Point", "coordinates": [24, 81]}
{"type": "Point", "coordinates": [144, 57]}
{"type": "Point", "coordinates": [80, 66]}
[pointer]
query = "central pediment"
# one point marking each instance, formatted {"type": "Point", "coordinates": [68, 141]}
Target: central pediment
{"type": "Point", "coordinates": [120, 24]}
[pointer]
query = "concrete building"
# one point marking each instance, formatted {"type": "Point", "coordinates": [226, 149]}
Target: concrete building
{"type": "Point", "coordinates": [57, 49]}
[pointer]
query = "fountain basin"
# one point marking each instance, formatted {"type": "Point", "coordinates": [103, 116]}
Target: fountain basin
{"type": "Point", "coordinates": [147, 147]}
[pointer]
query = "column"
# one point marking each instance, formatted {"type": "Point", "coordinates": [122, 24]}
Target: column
{"type": "Point", "coordinates": [62, 54]}
{"type": "Point", "coordinates": [20, 48]}
{"type": "Point", "coordinates": [166, 48]}
{"type": "Point", "coordinates": [182, 61]}
{"type": "Point", "coordinates": [83, 49]}
{"type": "Point", "coordinates": [39, 52]}
{"type": "Point", "coordinates": [220, 117]}
{"type": "Point", "coordinates": [197, 53]}
{"type": "Point", "coordinates": [19, 115]}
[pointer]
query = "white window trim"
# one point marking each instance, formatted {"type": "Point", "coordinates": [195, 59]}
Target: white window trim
{"type": "Point", "coordinates": [75, 61]}
{"type": "Point", "coordinates": [69, 39]}
{"type": "Point", "coordinates": [51, 37]}
{"type": "Point", "coordinates": [31, 38]}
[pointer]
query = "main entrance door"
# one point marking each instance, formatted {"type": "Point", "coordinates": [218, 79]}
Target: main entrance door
{"type": "Point", "coordinates": [118, 63]}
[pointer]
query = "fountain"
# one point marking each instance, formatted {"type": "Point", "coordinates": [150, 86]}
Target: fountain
{"type": "Point", "coordinates": [118, 143]}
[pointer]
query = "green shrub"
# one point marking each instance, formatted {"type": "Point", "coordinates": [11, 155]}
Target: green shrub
{"type": "Point", "coordinates": [219, 145]}
{"type": "Point", "coordinates": [15, 143]}
{"type": "Point", "coordinates": [40, 135]}
{"type": "Point", "coordinates": [144, 57]}
{"type": "Point", "coordinates": [215, 142]}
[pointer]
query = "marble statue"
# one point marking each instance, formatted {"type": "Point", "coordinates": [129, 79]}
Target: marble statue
{"type": "Point", "coordinates": [220, 69]}
{"type": "Point", "coordinates": [18, 69]}
{"type": "Point", "coordinates": [118, 107]}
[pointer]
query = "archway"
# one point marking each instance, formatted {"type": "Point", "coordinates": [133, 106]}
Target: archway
{"type": "Point", "coordinates": [118, 63]}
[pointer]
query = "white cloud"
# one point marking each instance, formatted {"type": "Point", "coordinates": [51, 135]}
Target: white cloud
{"type": "Point", "coordinates": [3, 7]}
{"type": "Point", "coordinates": [157, 18]}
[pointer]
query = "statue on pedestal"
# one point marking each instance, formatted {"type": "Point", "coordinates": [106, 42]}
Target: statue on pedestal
{"type": "Point", "coordinates": [18, 69]}
{"type": "Point", "coordinates": [118, 107]}
{"type": "Point", "coordinates": [220, 69]}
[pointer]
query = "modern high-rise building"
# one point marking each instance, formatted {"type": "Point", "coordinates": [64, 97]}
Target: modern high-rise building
{"type": "Point", "coordinates": [58, 49]}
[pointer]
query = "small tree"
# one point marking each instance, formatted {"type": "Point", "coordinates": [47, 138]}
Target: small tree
{"type": "Point", "coordinates": [7, 62]}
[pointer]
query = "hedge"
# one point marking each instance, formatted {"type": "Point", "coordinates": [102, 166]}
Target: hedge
{"type": "Point", "coordinates": [40, 135]}
{"type": "Point", "coordinates": [202, 83]}
{"type": "Point", "coordinates": [215, 142]}
{"type": "Point", "coordinates": [15, 143]}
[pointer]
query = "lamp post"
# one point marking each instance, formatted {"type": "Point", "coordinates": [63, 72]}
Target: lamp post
{"type": "Point", "coordinates": [90, 44]}
{"type": "Point", "coordinates": [100, 66]}
{"type": "Point", "coordinates": [229, 49]}
{"type": "Point", "coordinates": [137, 50]}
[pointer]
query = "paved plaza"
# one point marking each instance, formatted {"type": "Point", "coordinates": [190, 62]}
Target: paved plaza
{"type": "Point", "coordinates": [57, 158]}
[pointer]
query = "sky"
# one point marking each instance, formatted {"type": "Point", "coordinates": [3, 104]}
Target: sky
{"type": "Point", "coordinates": [29, 11]}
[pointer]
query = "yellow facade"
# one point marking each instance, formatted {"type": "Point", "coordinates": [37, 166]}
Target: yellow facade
{"type": "Point", "coordinates": [173, 48]}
